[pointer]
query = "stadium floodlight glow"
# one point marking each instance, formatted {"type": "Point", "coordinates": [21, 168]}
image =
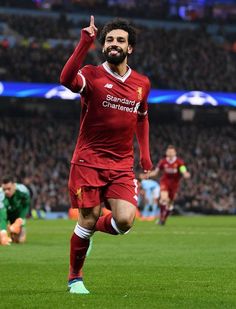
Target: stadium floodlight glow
{"type": "Point", "coordinates": [196, 98]}
{"type": "Point", "coordinates": [156, 96]}
{"type": "Point", "coordinates": [62, 93]}
{"type": "Point", "coordinates": [1, 88]}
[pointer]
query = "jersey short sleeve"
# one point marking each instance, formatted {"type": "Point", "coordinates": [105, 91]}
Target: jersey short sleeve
{"type": "Point", "coordinates": [87, 73]}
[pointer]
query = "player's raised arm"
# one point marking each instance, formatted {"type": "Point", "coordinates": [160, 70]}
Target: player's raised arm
{"type": "Point", "coordinates": [69, 75]}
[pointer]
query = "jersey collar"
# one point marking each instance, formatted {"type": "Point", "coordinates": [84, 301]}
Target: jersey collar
{"type": "Point", "coordinates": [171, 161]}
{"type": "Point", "coordinates": [116, 75]}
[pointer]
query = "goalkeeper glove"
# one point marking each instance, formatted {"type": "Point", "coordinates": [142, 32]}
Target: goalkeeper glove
{"type": "Point", "coordinates": [4, 239]}
{"type": "Point", "coordinates": [16, 226]}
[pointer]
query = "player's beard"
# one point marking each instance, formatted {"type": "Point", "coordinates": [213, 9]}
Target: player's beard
{"type": "Point", "coordinates": [115, 59]}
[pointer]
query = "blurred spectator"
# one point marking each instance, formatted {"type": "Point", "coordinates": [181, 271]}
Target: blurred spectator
{"type": "Point", "coordinates": [39, 150]}
{"type": "Point", "coordinates": [173, 59]}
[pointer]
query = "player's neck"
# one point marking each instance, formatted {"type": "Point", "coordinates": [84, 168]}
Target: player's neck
{"type": "Point", "coordinates": [171, 160]}
{"type": "Point", "coordinates": [119, 69]}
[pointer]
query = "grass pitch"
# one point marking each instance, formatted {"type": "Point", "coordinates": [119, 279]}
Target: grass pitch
{"type": "Point", "coordinates": [189, 263]}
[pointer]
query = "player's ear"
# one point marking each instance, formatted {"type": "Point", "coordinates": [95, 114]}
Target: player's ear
{"type": "Point", "coordinates": [130, 49]}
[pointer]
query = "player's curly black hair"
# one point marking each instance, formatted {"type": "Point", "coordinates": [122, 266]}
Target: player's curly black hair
{"type": "Point", "coordinates": [119, 23]}
{"type": "Point", "coordinates": [7, 178]}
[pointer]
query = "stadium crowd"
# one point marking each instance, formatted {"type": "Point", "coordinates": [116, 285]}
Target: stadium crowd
{"type": "Point", "coordinates": [145, 9]}
{"type": "Point", "coordinates": [173, 58]}
{"type": "Point", "coordinates": [176, 59]}
{"type": "Point", "coordinates": [43, 145]}
{"type": "Point", "coordinates": [129, 8]}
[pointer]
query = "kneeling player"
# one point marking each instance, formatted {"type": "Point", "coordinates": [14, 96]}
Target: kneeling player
{"type": "Point", "coordinates": [14, 207]}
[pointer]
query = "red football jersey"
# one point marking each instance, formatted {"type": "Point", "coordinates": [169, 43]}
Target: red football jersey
{"type": "Point", "coordinates": [110, 107]}
{"type": "Point", "coordinates": [170, 170]}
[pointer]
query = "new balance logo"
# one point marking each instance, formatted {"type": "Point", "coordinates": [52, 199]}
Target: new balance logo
{"type": "Point", "coordinates": [109, 86]}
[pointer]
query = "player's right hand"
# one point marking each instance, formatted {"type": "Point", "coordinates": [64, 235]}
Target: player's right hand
{"type": "Point", "coordinates": [16, 226]}
{"type": "Point", "coordinates": [92, 29]}
{"type": "Point", "coordinates": [4, 239]}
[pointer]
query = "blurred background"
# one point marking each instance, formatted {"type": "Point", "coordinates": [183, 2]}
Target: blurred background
{"type": "Point", "coordinates": [186, 48]}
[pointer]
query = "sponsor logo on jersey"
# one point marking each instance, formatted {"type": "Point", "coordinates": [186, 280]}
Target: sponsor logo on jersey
{"type": "Point", "coordinates": [170, 170]}
{"type": "Point", "coordinates": [109, 86]}
{"type": "Point", "coordinates": [121, 104]}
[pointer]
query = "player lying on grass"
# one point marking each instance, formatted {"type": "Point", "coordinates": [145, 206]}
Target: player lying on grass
{"type": "Point", "coordinates": [14, 207]}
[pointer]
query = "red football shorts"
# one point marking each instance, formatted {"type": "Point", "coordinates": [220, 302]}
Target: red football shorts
{"type": "Point", "coordinates": [89, 187]}
{"type": "Point", "coordinates": [171, 187]}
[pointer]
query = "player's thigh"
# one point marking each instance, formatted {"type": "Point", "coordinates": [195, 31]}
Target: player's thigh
{"type": "Point", "coordinates": [123, 186]}
{"type": "Point", "coordinates": [173, 193]}
{"type": "Point", "coordinates": [122, 195]}
{"type": "Point", "coordinates": [164, 195]}
{"type": "Point", "coordinates": [85, 187]}
{"type": "Point", "coordinates": [123, 211]}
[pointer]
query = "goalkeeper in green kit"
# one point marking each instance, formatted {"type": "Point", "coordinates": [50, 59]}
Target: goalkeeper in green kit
{"type": "Point", "coordinates": [14, 207]}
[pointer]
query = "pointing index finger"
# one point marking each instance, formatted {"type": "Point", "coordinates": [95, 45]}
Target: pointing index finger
{"type": "Point", "coordinates": [92, 21]}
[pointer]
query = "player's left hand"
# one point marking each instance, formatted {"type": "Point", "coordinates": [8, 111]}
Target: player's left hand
{"type": "Point", "coordinates": [187, 175]}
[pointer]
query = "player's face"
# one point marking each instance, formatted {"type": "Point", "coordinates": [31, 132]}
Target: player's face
{"type": "Point", "coordinates": [170, 153]}
{"type": "Point", "coordinates": [9, 189]}
{"type": "Point", "coordinates": [116, 46]}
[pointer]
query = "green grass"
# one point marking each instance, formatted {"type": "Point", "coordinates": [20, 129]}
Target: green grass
{"type": "Point", "coordinates": [189, 263]}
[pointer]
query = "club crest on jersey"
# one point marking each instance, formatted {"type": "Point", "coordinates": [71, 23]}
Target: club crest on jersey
{"type": "Point", "coordinates": [140, 93]}
{"type": "Point", "coordinates": [79, 194]}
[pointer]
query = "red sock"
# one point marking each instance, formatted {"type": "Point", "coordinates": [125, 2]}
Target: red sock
{"type": "Point", "coordinates": [162, 212]}
{"type": "Point", "coordinates": [78, 249]}
{"type": "Point", "coordinates": [104, 225]}
{"type": "Point", "coordinates": [167, 214]}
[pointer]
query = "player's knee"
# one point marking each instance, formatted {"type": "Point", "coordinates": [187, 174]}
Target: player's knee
{"type": "Point", "coordinates": [164, 201]}
{"type": "Point", "coordinates": [125, 223]}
